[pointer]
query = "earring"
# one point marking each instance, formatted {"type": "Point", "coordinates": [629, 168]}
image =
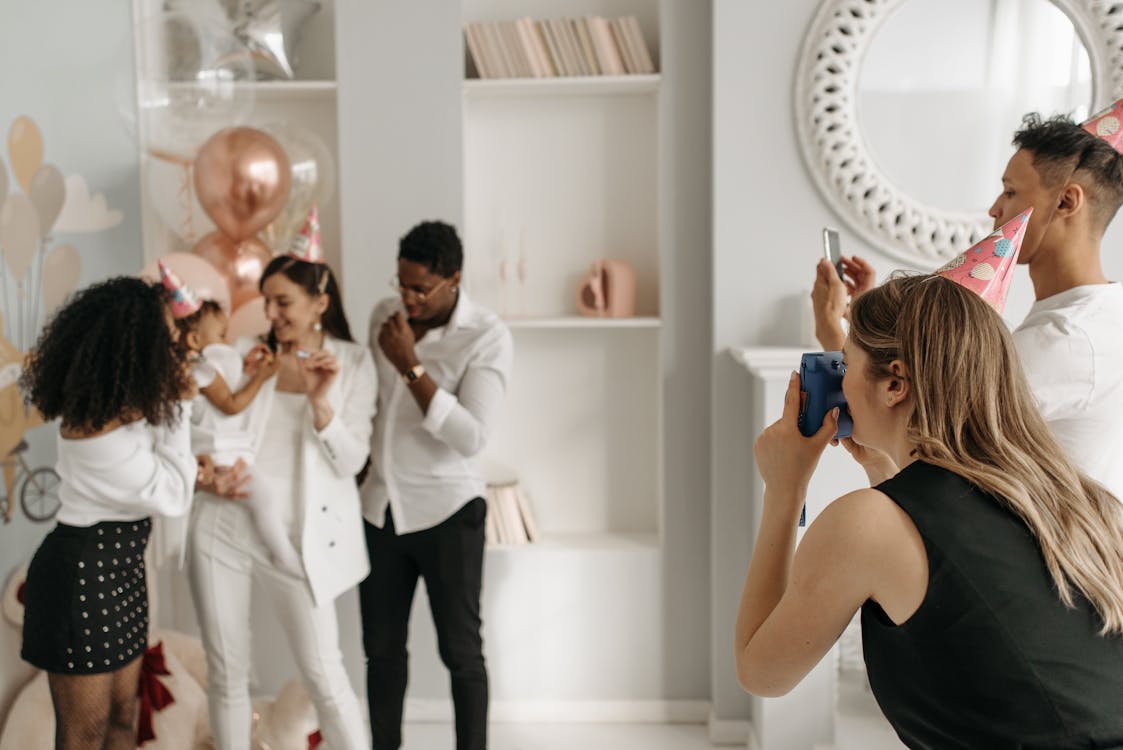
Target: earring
{"type": "Point", "coordinates": [317, 327]}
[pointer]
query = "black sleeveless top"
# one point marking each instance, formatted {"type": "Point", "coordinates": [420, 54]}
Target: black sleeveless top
{"type": "Point", "coordinates": [992, 659]}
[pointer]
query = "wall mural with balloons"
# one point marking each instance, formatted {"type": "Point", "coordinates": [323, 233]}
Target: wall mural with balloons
{"type": "Point", "coordinates": [70, 210]}
{"type": "Point", "coordinates": [36, 275]}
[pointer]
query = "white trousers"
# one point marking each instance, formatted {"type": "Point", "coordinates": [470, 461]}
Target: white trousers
{"type": "Point", "coordinates": [226, 559]}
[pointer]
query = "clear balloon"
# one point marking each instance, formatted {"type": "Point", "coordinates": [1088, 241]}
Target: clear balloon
{"type": "Point", "coordinates": [313, 181]}
{"type": "Point", "coordinates": [170, 186]}
{"type": "Point", "coordinates": [25, 149]}
{"type": "Point", "coordinates": [61, 271]}
{"type": "Point", "coordinates": [48, 193]}
{"type": "Point", "coordinates": [242, 178]}
{"type": "Point", "coordinates": [19, 233]}
{"type": "Point", "coordinates": [248, 320]}
{"type": "Point", "coordinates": [196, 273]}
{"type": "Point", "coordinates": [188, 82]}
{"type": "Point", "coordinates": [239, 261]}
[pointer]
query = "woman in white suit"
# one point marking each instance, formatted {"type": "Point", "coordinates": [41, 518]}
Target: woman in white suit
{"type": "Point", "coordinates": [313, 426]}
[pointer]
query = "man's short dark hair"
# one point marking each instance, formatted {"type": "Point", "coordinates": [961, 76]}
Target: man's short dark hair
{"type": "Point", "coordinates": [434, 245]}
{"type": "Point", "coordinates": [1059, 146]}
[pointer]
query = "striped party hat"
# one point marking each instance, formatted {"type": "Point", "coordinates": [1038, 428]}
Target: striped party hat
{"type": "Point", "coordinates": [306, 245]}
{"type": "Point", "coordinates": [184, 300]}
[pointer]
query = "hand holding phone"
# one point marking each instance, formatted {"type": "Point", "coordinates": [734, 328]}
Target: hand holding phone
{"type": "Point", "coordinates": [832, 249]}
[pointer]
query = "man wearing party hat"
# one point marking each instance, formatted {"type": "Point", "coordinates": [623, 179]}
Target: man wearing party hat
{"type": "Point", "coordinates": [1070, 341]}
{"type": "Point", "coordinates": [1071, 177]}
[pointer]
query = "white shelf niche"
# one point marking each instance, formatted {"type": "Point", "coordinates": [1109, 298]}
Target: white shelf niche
{"type": "Point", "coordinates": [581, 429]}
{"type": "Point", "coordinates": [562, 86]}
{"type": "Point", "coordinates": [560, 182]}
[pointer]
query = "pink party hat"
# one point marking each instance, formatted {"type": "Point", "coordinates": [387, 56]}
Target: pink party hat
{"type": "Point", "coordinates": [184, 300]}
{"type": "Point", "coordinates": [1108, 124]}
{"type": "Point", "coordinates": [306, 245]}
{"type": "Point", "coordinates": [987, 267]}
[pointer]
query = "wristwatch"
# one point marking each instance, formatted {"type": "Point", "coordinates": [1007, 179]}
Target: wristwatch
{"type": "Point", "coordinates": [413, 374]}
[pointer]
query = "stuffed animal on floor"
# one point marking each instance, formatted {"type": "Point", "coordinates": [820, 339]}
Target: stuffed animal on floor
{"type": "Point", "coordinates": [173, 713]}
{"type": "Point", "coordinates": [173, 685]}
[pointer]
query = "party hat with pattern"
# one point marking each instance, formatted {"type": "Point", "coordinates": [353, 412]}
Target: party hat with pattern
{"type": "Point", "coordinates": [1107, 124]}
{"type": "Point", "coordinates": [183, 298]}
{"type": "Point", "coordinates": [987, 267]}
{"type": "Point", "coordinates": [306, 245]}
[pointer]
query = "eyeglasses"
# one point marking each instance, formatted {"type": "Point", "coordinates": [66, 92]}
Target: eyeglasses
{"type": "Point", "coordinates": [418, 294]}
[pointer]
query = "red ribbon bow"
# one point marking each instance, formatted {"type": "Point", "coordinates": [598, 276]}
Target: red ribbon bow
{"type": "Point", "coordinates": [314, 740]}
{"type": "Point", "coordinates": [152, 693]}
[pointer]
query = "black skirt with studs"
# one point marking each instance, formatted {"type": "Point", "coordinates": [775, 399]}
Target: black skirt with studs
{"type": "Point", "coordinates": [85, 599]}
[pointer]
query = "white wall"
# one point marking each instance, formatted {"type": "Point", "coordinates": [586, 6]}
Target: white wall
{"type": "Point", "coordinates": [767, 219]}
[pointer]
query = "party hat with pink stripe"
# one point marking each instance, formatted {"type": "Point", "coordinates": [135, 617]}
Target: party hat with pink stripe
{"type": "Point", "coordinates": [184, 300]}
{"type": "Point", "coordinates": [306, 245]}
{"type": "Point", "coordinates": [987, 267]}
{"type": "Point", "coordinates": [1107, 124]}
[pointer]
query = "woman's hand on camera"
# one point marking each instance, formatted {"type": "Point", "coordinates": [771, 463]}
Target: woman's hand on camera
{"type": "Point", "coordinates": [878, 465]}
{"type": "Point", "coordinates": [784, 457]}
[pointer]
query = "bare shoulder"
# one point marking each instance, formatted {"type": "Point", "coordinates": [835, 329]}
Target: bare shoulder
{"type": "Point", "coordinates": [880, 544]}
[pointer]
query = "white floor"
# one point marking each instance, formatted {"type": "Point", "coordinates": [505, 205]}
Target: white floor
{"type": "Point", "coordinates": [860, 727]}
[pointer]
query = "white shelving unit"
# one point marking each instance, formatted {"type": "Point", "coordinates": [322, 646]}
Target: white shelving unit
{"type": "Point", "coordinates": [307, 102]}
{"type": "Point", "coordinates": [559, 172]}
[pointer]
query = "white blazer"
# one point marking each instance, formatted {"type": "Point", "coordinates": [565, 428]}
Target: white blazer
{"type": "Point", "coordinates": [333, 544]}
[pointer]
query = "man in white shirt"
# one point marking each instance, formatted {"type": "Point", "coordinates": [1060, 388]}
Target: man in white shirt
{"type": "Point", "coordinates": [1071, 342]}
{"type": "Point", "coordinates": [443, 364]}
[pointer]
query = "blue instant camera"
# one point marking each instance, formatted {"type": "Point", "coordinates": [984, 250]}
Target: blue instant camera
{"type": "Point", "coordinates": [820, 379]}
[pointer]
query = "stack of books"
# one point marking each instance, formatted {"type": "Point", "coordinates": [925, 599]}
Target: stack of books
{"type": "Point", "coordinates": [590, 46]}
{"type": "Point", "coordinates": [509, 520]}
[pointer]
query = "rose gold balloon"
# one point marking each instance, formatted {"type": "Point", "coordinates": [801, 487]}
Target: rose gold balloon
{"type": "Point", "coordinates": [242, 179]}
{"type": "Point", "coordinates": [240, 262]}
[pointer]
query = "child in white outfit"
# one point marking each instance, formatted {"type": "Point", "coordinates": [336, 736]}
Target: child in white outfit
{"type": "Point", "coordinates": [221, 419]}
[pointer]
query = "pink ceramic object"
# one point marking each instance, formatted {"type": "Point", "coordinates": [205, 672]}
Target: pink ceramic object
{"type": "Point", "coordinates": [608, 290]}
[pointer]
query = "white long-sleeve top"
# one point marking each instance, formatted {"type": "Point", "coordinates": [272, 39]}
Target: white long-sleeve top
{"type": "Point", "coordinates": [132, 472]}
{"type": "Point", "coordinates": [423, 465]}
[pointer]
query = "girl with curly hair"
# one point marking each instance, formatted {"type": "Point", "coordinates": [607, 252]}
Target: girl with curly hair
{"type": "Point", "coordinates": [108, 366]}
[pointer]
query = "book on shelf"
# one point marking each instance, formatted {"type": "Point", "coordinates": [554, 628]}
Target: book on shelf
{"type": "Point", "coordinates": [556, 47]}
{"type": "Point", "coordinates": [509, 519]}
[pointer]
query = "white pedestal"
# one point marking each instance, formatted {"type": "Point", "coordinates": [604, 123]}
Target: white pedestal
{"type": "Point", "coordinates": [805, 718]}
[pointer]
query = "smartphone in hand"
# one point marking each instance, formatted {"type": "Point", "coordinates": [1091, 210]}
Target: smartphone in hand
{"type": "Point", "coordinates": [832, 249]}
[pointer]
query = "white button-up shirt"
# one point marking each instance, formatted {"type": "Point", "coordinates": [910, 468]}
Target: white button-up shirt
{"type": "Point", "coordinates": [423, 465]}
{"type": "Point", "coordinates": [1071, 345]}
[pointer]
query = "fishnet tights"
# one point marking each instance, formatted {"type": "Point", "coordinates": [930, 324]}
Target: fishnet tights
{"type": "Point", "coordinates": [96, 712]}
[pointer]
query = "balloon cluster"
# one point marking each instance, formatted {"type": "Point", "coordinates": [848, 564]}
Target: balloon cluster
{"type": "Point", "coordinates": [234, 196]}
{"type": "Point", "coordinates": [41, 274]}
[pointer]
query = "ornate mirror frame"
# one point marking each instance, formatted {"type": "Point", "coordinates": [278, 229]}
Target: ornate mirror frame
{"type": "Point", "coordinates": [830, 136]}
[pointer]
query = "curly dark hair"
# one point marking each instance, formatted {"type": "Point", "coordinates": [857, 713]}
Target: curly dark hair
{"type": "Point", "coordinates": [434, 245]}
{"type": "Point", "coordinates": [189, 323]}
{"type": "Point", "coordinates": [108, 354]}
{"type": "Point", "coordinates": [314, 279]}
{"type": "Point", "coordinates": [1063, 150]}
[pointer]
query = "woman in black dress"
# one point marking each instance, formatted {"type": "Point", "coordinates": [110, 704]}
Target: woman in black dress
{"type": "Point", "coordinates": [107, 365]}
{"type": "Point", "coordinates": [988, 569]}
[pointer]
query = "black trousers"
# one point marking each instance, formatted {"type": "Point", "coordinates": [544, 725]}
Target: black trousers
{"type": "Point", "coordinates": [450, 559]}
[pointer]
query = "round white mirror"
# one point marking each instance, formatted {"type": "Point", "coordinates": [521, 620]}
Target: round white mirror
{"type": "Point", "coordinates": [906, 108]}
{"type": "Point", "coordinates": [925, 81]}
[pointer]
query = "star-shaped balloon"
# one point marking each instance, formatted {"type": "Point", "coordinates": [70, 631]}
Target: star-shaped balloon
{"type": "Point", "coordinates": [271, 30]}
